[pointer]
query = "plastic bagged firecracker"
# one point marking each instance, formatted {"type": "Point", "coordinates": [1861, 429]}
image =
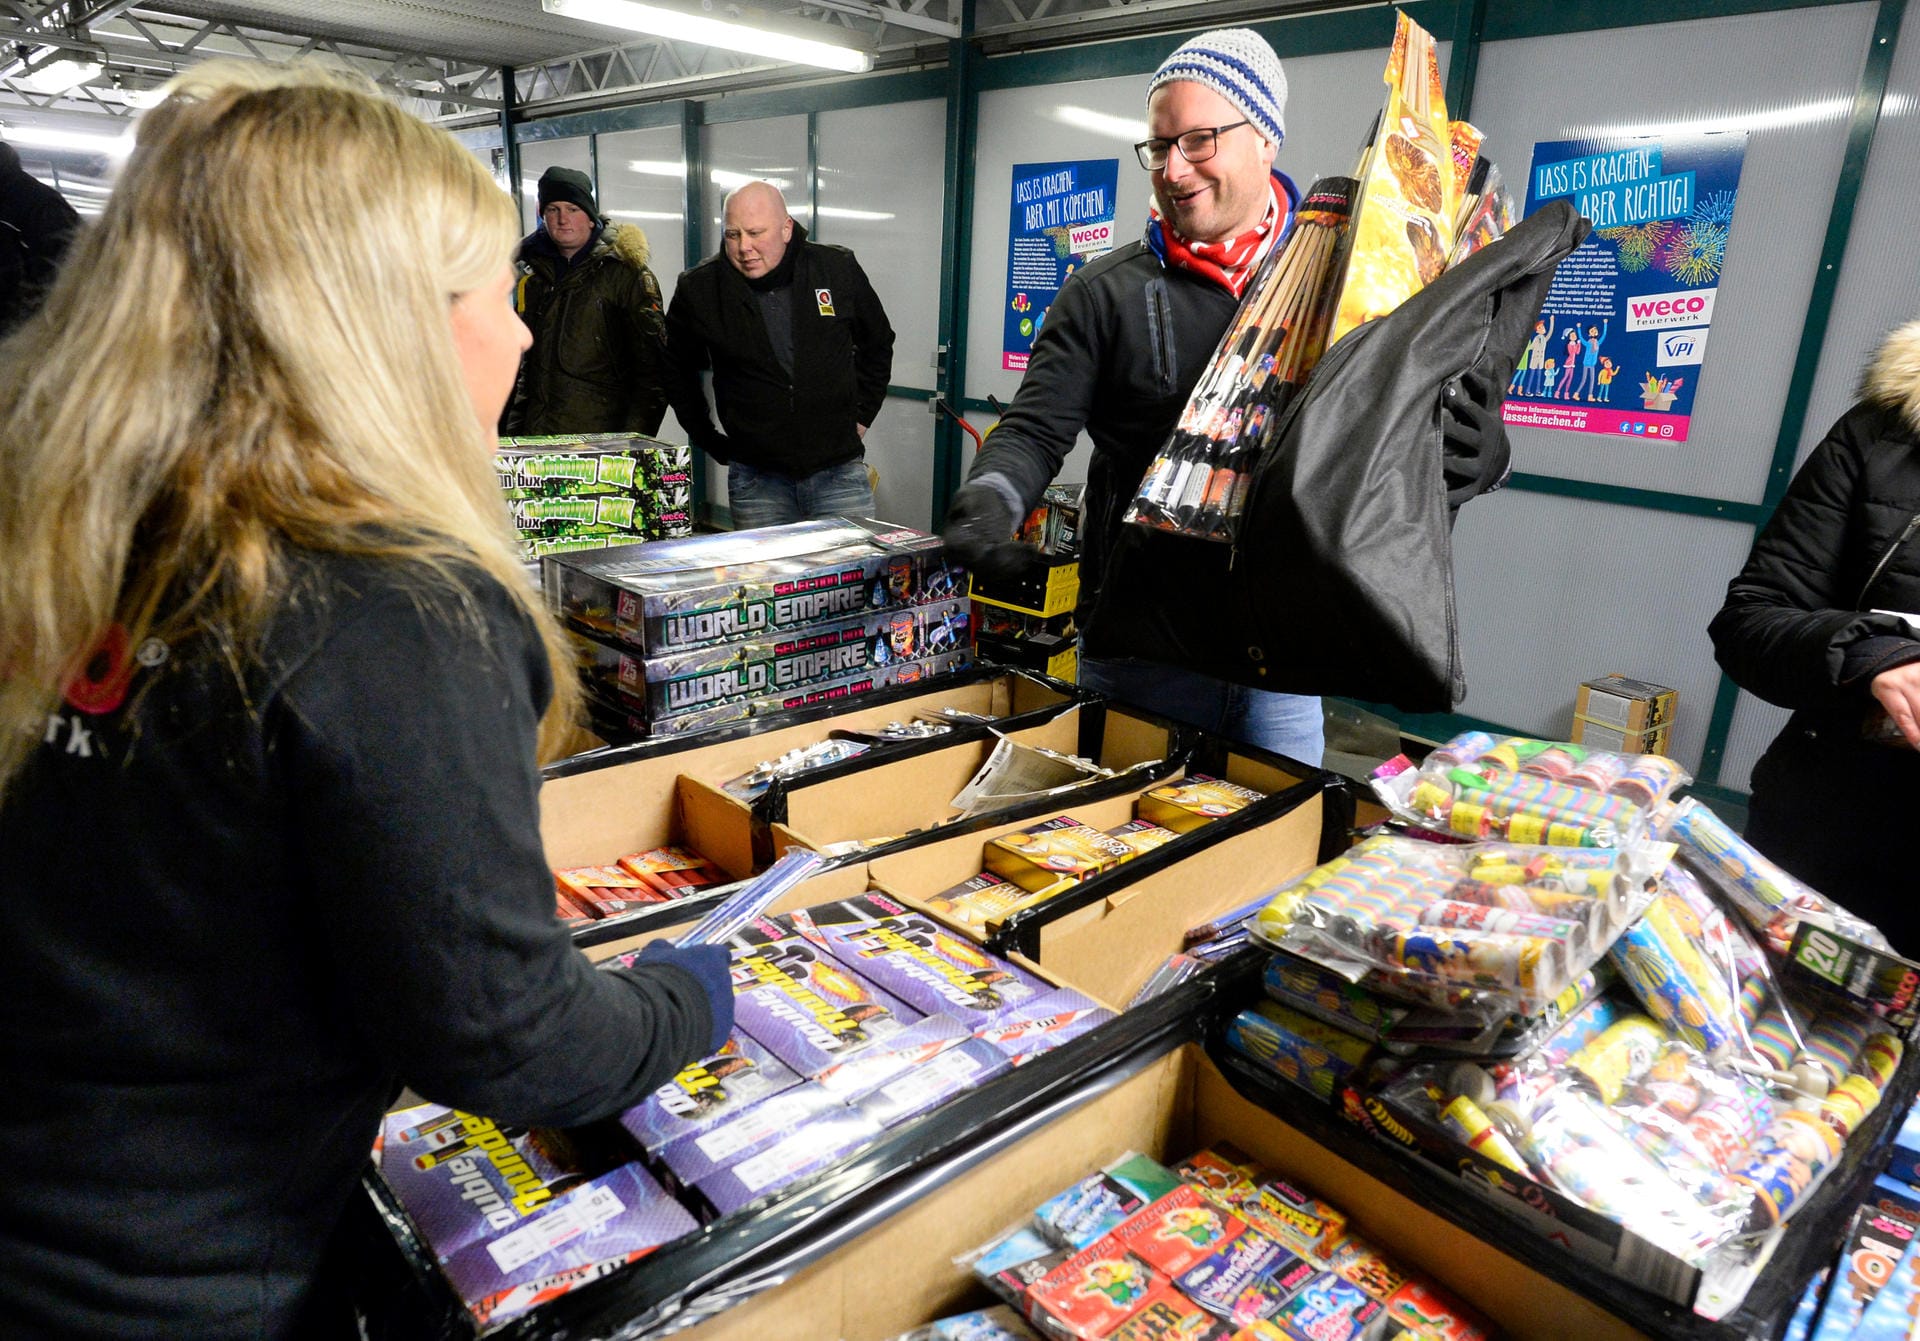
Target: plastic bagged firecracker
{"type": "Point", "coordinates": [998, 1323]}
{"type": "Point", "coordinates": [1773, 902]}
{"type": "Point", "coordinates": [1490, 928]}
{"type": "Point", "coordinates": [1558, 793]}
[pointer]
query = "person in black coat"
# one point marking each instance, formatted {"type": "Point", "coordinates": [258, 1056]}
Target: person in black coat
{"type": "Point", "coordinates": [1825, 620]}
{"type": "Point", "coordinates": [36, 225]}
{"type": "Point", "coordinates": [801, 353]}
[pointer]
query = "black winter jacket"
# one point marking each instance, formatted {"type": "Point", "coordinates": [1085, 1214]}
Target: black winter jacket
{"type": "Point", "coordinates": [1123, 344]}
{"type": "Point", "coordinates": [1796, 630]}
{"type": "Point", "coordinates": [36, 227]}
{"type": "Point", "coordinates": [238, 924]}
{"type": "Point", "coordinates": [842, 360]}
{"type": "Point", "coordinates": [599, 357]}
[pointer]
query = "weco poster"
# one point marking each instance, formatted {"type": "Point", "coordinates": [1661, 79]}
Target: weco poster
{"type": "Point", "coordinates": [1062, 218]}
{"type": "Point", "coordinates": [1622, 338]}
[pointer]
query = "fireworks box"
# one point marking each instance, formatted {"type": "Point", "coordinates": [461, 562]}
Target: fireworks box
{"type": "Point", "coordinates": [979, 901]}
{"type": "Point", "coordinates": [799, 1003]}
{"type": "Point", "coordinates": [1055, 849]}
{"type": "Point", "coordinates": [620, 722]}
{"type": "Point", "coordinates": [1094, 1291]}
{"type": "Point", "coordinates": [590, 464]}
{"type": "Point", "coordinates": [1629, 716]}
{"type": "Point", "coordinates": [713, 588]}
{"type": "Point", "coordinates": [928, 967]}
{"type": "Point", "coordinates": [674, 683]}
{"type": "Point", "coordinates": [956, 1070]}
{"type": "Point", "coordinates": [1097, 1205]}
{"type": "Point", "coordinates": [1054, 526]}
{"type": "Point", "coordinates": [708, 1092]}
{"type": "Point", "coordinates": [1043, 1024]}
{"type": "Point", "coordinates": [1053, 590]}
{"type": "Point", "coordinates": [814, 1146]}
{"type": "Point", "coordinates": [502, 1216]}
{"type": "Point", "coordinates": [1195, 802]}
{"type": "Point", "coordinates": [700, 1155]}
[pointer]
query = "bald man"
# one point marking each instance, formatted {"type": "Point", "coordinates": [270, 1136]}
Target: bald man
{"type": "Point", "coordinates": [801, 354]}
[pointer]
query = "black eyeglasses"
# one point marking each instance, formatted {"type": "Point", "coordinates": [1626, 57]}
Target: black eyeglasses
{"type": "Point", "coordinates": [1196, 146]}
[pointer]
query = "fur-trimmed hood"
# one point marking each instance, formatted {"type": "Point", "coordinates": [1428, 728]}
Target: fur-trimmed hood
{"type": "Point", "coordinates": [1893, 378]}
{"type": "Point", "coordinates": [629, 243]}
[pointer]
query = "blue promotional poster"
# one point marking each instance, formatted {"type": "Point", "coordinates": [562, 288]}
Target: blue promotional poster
{"type": "Point", "coordinates": [1062, 218]}
{"type": "Point", "coordinates": [1622, 338]}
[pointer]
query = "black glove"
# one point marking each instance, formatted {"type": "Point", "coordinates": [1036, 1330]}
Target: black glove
{"type": "Point", "coordinates": [1475, 457]}
{"type": "Point", "coordinates": [979, 535]}
{"type": "Point", "coordinates": [711, 964]}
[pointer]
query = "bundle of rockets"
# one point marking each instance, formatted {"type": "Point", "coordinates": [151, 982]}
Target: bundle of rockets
{"type": "Point", "coordinates": [1422, 199]}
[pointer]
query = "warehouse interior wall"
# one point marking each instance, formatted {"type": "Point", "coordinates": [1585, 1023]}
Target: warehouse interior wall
{"type": "Point", "coordinates": [1604, 554]}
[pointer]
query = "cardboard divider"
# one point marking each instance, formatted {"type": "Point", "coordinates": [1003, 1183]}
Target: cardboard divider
{"type": "Point", "coordinates": [901, 1273]}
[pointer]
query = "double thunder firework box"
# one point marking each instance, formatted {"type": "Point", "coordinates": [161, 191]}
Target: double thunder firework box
{"type": "Point", "coordinates": [1043, 1024]}
{"type": "Point", "coordinates": [804, 1006]}
{"type": "Point", "coordinates": [712, 1090]}
{"type": "Point", "coordinates": [705, 589]}
{"type": "Point", "coordinates": [774, 663]}
{"type": "Point", "coordinates": [926, 966]}
{"type": "Point", "coordinates": [509, 1221]}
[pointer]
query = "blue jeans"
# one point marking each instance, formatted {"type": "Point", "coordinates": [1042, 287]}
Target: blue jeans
{"type": "Point", "coordinates": [1288, 724]}
{"type": "Point", "coordinates": [766, 498]}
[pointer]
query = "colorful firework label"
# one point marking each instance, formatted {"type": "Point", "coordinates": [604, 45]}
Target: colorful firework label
{"type": "Point", "coordinates": [1621, 341]}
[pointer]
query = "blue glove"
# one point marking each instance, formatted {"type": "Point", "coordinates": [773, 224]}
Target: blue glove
{"type": "Point", "coordinates": [708, 963]}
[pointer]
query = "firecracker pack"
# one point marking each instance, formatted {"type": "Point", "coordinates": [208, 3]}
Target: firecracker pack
{"type": "Point", "coordinates": [715, 588]}
{"type": "Point", "coordinates": [829, 1137]}
{"type": "Point", "coordinates": [509, 1220]}
{"type": "Point", "coordinates": [677, 872]}
{"type": "Point", "coordinates": [773, 663]}
{"type": "Point", "coordinates": [1193, 803]}
{"type": "Point", "coordinates": [1095, 1290]}
{"type": "Point", "coordinates": [1043, 1024]}
{"type": "Point", "coordinates": [807, 1008]}
{"type": "Point", "coordinates": [604, 891]}
{"type": "Point", "coordinates": [999, 1323]}
{"type": "Point", "coordinates": [982, 900]}
{"type": "Point", "coordinates": [1250, 1278]}
{"type": "Point", "coordinates": [589, 464]}
{"type": "Point", "coordinates": [1097, 1205]}
{"type": "Point", "coordinates": [928, 967]}
{"type": "Point", "coordinates": [1052, 850]}
{"type": "Point", "coordinates": [708, 1092]}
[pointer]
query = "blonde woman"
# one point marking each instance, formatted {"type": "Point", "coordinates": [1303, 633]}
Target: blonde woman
{"type": "Point", "coordinates": [268, 842]}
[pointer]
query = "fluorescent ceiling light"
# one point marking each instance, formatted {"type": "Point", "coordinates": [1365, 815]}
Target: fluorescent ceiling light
{"type": "Point", "coordinates": [728, 181]}
{"type": "Point", "coordinates": [1102, 123]}
{"type": "Point", "coordinates": [80, 141]}
{"type": "Point", "coordinates": [660, 216]}
{"type": "Point", "coordinates": [1772, 118]}
{"type": "Point", "coordinates": [658, 167]}
{"type": "Point", "coordinates": [60, 74]}
{"type": "Point", "coordinates": [864, 216]}
{"type": "Point", "coordinates": [674, 25]}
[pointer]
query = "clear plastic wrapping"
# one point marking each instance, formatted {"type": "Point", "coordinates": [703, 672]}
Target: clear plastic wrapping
{"type": "Point", "coordinates": [1558, 793]}
{"type": "Point", "coordinates": [1492, 929]}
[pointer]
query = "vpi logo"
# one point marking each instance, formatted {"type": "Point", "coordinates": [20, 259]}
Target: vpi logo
{"type": "Point", "coordinates": [1678, 347]}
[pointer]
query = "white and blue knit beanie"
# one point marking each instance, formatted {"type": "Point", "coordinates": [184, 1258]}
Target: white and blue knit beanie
{"type": "Point", "coordinates": [1237, 64]}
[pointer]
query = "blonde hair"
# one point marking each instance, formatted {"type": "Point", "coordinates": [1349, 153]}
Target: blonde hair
{"type": "Point", "coordinates": [249, 351]}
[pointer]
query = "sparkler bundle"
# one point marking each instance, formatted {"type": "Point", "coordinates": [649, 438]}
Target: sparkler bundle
{"type": "Point", "coordinates": [1422, 199]}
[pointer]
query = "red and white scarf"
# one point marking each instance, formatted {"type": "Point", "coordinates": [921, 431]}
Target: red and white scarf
{"type": "Point", "coordinates": [1230, 263]}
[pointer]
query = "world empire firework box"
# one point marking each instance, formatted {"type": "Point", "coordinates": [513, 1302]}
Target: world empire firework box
{"type": "Point", "coordinates": [773, 663]}
{"type": "Point", "coordinates": [927, 966]}
{"type": "Point", "coordinates": [807, 1009]}
{"type": "Point", "coordinates": [708, 1092]}
{"type": "Point", "coordinates": [710, 588]}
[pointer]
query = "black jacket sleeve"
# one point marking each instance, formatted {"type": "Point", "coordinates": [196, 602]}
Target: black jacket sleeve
{"type": "Point", "coordinates": [408, 742]}
{"type": "Point", "coordinates": [872, 348]}
{"type": "Point", "coordinates": [1787, 627]}
{"type": "Point", "coordinates": [647, 339]}
{"type": "Point", "coordinates": [1055, 399]}
{"type": "Point", "coordinates": [688, 357]}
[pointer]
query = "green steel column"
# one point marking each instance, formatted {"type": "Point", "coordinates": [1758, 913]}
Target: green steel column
{"type": "Point", "coordinates": [956, 255]}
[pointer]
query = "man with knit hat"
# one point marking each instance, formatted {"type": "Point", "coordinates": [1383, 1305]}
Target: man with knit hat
{"type": "Point", "coordinates": [599, 357]}
{"type": "Point", "coordinates": [1124, 343]}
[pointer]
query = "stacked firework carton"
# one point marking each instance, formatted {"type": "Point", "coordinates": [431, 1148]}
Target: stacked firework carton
{"type": "Point", "coordinates": [696, 633]}
{"type": "Point", "coordinates": [1421, 200]}
{"type": "Point", "coordinates": [1031, 625]}
{"type": "Point", "coordinates": [589, 491]}
{"type": "Point", "coordinates": [849, 1018]}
